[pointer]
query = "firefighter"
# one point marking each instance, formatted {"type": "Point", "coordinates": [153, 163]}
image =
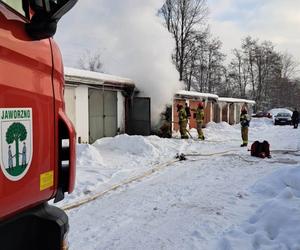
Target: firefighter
{"type": "Point", "coordinates": [245, 122]}
{"type": "Point", "coordinates": [183, 120]}
{"type": "Point", "coordinates": [200, 120]}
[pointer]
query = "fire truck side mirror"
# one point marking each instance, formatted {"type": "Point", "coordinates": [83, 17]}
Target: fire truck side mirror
{"type": "Point", "coordinates": [47, 13]}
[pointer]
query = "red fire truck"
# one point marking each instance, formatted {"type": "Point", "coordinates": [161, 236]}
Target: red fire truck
{"type": "Point", "coordinates": [37, 140]}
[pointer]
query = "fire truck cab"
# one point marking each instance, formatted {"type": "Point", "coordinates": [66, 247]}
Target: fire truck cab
{"type": "Point", "coordinates": [37, 140]}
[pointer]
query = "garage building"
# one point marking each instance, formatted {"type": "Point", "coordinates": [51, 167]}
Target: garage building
{"type": "Point", "coordinates": [96, 103]}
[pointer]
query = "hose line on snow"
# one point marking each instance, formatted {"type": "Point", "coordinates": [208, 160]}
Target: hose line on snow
{"type": "Point", "coordinates": [229, 153]}
{"type": "Point", "coordinates": [211, 154]}
{"type": "Point", "coordinates": [284, 151]}
{"type": "Point", "coordinates": [158, 167]}
{"type": "Point", "coordinates": [117, 186]}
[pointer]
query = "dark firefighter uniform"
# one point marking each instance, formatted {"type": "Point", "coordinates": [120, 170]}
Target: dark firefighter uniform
{"type": "Point", "coordinates": [200, 120]}
{"type": "Point", "coordinates": [183, 120]}
{"type": "Point", "coordinates": [295, 118]}
{"type": "Point", "coordinates": [245, 122]}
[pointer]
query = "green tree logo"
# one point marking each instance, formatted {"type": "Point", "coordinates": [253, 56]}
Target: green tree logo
{"type": "Point", "coordinates": [16, 133]}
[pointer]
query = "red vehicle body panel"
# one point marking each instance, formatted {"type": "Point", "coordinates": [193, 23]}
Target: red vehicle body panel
{"type": "Point", "coordinates": [28, 79]}
{"type": "Point", "coordinates": [58, 83]}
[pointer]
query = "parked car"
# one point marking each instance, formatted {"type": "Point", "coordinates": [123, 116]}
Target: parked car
{"type": "Point", "coordinates": [274, 112]}
{"type": "Point", "coordinates": [283, 119]}
{"type": "Point", "coordinates": [260, 114]}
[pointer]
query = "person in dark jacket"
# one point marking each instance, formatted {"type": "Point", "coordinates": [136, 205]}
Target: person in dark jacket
{"type": "Point", "coordinates": [295, 118]}
{"type": "Point", "coordinates": [245, 122]}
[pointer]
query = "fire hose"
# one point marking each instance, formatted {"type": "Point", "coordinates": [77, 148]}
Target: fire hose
{"type": "Point", "coordinates": [161, 166]}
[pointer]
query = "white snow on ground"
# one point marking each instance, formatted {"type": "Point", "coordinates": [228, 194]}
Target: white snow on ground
{"type": "Point", "coordinates": [220, 198]}
{"type": "Point", "coordinates": [276, 223]}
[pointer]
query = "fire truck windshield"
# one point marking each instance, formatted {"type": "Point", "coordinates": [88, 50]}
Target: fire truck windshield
{"type": "Point", "coordinates": [16, 5]}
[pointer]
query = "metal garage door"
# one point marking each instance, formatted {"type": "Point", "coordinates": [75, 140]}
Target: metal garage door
{"type": "Point", "coordinates": [140, 116]}
{"type": "Point", "coordinates": [110, 113]}
{"type": "Point", "coordinates": [217, 112]}
{"type": "Point", "coordinates": [102, 114]}
{"type": "Point", "coordinates": [231, 113]}
{"type": "Point", "coordinates": [225, 113]}
{"type": "Point", "coordinates": [69, 96]}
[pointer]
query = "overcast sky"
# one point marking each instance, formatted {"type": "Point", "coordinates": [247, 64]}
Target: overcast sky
{"type": "Point", "coordinates": [133, 42]}
{"type": "Point", "coordinates": [275, 20]}
{"type": "Point", "coordinates": [230, 20]}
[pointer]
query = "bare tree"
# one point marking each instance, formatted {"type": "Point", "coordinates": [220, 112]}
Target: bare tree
{"type": "Point", "coordinates": [226, 86]}
{"type": "Point", "coordinates": [91, 61]}
{"type": "Point", "coordinates": [289, 65]}
{"type": "Point", "coordinates": [285, 93]}
{"type": "Point", "coordinates": [248, 48]}
{"type": "Point", "coordinates": [195, 58]}
{"type": "Point", "coordinates": [214, 63]}
{"type": "Point", "coordinates": [183, 18]}
{"type": "Point", "coordinates": [262, 73]}
{"type": "Point", "coordinates": [257, 64]}
{"type": "Point", "coordinates": [208, 70]}
{"type": "Point", "coordinates": [239, 73]}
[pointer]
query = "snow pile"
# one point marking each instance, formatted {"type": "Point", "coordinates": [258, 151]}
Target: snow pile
{"type": "Point", "coordinates": [112, 160]}
{"type": "Point", "coordinates": [91, 171]}
{"type": "Point", "coordinates": [279, 181]}
{"type": "Point", "coordinates": [221, 131]}
{"type": "Point", "coordinates": [125, 144]}
{"type": "Point", "coordinates": [88, 155]}
{"type": "Point", "coordinates": [109, 161]}
{"type": "Point", "coordinates": [219, 126]}
{"type": "Point", "coordinates": [276, 224]}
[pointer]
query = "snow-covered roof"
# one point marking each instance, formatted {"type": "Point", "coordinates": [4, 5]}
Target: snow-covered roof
{"type": "Point", "coordinates": [198, 95]}
{"type": "Point", "coordinates": [235, 100]}
{"type": "Point", "coordinates": [94, 78]}
{"type": "Point", "coordinates": [182, 93]}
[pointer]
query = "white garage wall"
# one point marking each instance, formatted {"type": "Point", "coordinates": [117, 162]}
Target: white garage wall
{"type": "Point", "coordinates": [82, 113]}
{"type": "Point", "coordinates": [121, 112]}
{"type": "Point", "coordinates": [69, 96]}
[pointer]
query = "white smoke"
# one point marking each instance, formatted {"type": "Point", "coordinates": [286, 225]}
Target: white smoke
{"type": "Point", "coordinates": [132, 41]}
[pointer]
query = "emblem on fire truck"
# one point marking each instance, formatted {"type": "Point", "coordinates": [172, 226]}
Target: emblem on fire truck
{"type": "Point", "coordinates": [16, 142]}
